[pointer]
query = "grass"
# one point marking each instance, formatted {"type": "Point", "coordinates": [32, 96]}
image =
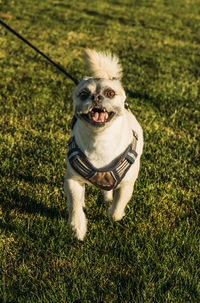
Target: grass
{"type": "Point", "coordinates": [152, 255]}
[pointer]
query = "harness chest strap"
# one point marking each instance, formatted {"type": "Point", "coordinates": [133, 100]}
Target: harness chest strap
{"type": "Point", "coordinates": [108, 177]}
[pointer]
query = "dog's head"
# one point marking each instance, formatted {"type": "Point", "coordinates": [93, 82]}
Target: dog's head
{"type": "Point", "coordinates": [98, 100]}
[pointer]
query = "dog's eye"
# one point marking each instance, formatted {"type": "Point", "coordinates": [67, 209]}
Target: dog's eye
{"type": "Point", "coordinates": [84, 94]}
{"type": "Point", "coordinates": [110, 93]}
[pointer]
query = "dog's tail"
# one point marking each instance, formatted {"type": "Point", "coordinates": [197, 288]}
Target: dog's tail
{"type": "Point", "coordinates": [103, 65]}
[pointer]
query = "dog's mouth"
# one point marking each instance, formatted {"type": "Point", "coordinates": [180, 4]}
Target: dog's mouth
{"type": "Point", "coordinates": [97, 116]}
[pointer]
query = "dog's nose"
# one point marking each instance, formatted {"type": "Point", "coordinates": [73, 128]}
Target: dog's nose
{"type": "Point", "coordinates": [97, 98]}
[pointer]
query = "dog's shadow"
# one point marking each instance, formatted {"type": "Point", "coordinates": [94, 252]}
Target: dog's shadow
{"type": "Point", "coordinates": [24, 204]}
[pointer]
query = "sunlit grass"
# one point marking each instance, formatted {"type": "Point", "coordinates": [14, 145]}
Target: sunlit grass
{"type": "Point", "coordinates": [152, 255]}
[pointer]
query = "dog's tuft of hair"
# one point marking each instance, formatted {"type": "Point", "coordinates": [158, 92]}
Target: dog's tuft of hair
{"type": "Point", "coordinates": [103, 65]}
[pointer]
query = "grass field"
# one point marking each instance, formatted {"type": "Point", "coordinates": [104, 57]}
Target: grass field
{"type": "Point", "coordinates": [153, 254]}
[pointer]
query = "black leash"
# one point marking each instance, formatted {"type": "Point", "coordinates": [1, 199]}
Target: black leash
{"type": "Point", "coordinates": [38, 51]}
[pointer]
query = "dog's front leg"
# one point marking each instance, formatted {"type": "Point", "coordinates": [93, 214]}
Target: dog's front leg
{"type": "Point", "coordinates": [108, 197]}
{"type": "Point", "coordinates": [122, 196]}
{"type": "Point", "coordinates": [75, 201]}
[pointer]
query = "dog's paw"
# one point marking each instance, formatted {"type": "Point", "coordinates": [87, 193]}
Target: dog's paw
{"type": "Point", "coordinates": [78, 225]}
{"type": "Point", "coordinates": [108, 202]}
{"type": "Point", "coordinates": [114, 215]}
{"type": "Point", "coordinates": [108, 197]}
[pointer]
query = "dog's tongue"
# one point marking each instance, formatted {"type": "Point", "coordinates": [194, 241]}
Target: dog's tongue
{"type": "Point", "coordinates": [99, 117]}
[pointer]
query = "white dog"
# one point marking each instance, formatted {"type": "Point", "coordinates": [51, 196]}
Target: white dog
{"type": "Point", "coordinates": [106, 142]}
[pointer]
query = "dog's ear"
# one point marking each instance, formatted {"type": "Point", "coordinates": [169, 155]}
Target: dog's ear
{"type": "Point", "coordinates": [102, 65]}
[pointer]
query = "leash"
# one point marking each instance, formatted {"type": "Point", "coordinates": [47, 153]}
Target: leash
{"type": "Point", "coordinates": [39, 52]}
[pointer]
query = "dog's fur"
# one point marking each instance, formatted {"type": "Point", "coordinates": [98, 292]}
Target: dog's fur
{"type": "Point", "coordinates": [102, 140]}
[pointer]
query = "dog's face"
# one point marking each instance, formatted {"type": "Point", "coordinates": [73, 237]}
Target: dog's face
{"type": "Point", "coordinates": [98, 102]}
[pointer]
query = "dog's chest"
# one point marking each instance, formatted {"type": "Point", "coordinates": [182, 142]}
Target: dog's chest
{"type": "Point", "coordinates": [101, 148]}
{"type": "Point", "coordinates": [107, 177]}
{"type": "Point", "coordinates": [102, 152]}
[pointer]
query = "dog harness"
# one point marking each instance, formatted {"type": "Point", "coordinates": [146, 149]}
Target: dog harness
{"type": "Point", "coordinates": [108, 177]}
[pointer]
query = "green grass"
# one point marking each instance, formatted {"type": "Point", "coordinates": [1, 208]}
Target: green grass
{"type": "Point", "coordinates": [153, 254]}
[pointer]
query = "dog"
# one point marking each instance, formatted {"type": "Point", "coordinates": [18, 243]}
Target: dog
{"type": "Point", "coordinates": [106, 142]}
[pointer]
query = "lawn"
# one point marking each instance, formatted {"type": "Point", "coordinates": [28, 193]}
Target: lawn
{"type": "Point", "coordinates": [153, 254]}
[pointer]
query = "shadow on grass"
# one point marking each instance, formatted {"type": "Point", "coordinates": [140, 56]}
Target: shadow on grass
{"type": "Point", "coordinates": [155, 103]}
{"type": "Point", "coordinates": [7, 226]}
{"type": "Point", "coordinates": [29, 178]}
{"type": "Point", "coordinates": [140, 95]}
{"type": "Point", "coordinates": [34, 179]}
{"type": "Point", "coordinates": [105, 16]}
{"type": "Point", "coordinates": [26, 205]}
